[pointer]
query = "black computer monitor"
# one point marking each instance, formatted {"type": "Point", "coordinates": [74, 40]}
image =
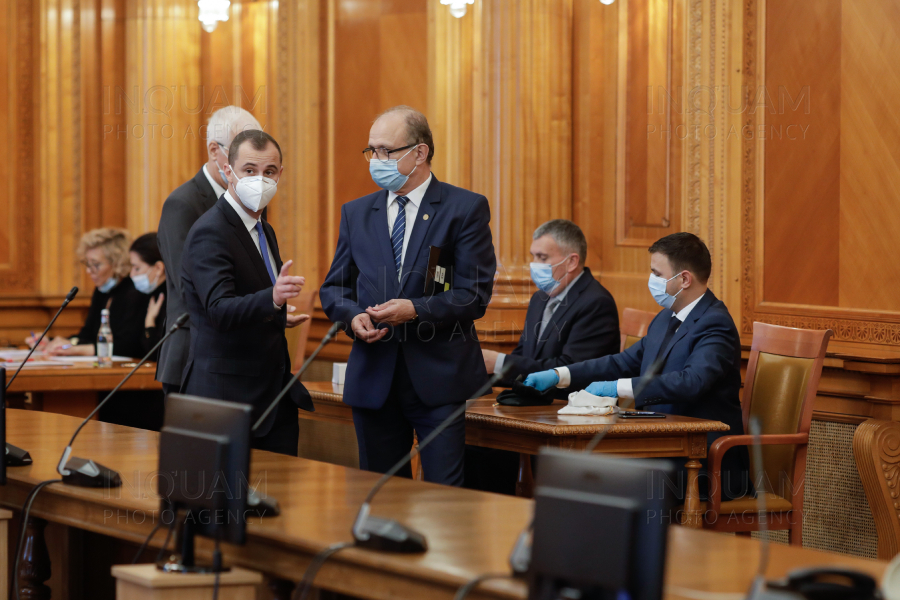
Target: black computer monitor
{"type": "Point", "coordinates": [204, 469]}
{"type": "Point", "coordinates": [600, 526]}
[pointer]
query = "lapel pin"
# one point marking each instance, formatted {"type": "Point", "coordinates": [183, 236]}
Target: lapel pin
{"type": "Point", "coordinates": [425, 218]}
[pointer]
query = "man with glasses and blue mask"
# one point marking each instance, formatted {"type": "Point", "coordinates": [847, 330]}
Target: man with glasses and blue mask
{"type": "Point", "coordinates": [692, 352]}
{"type": "Point", "coordinates": [416, 355]}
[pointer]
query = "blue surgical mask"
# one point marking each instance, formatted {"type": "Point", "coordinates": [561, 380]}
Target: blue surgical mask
{"type": "Point", "coordinates": [657, 287]}
{"type": "Point", "coordinates": [108, 286]}
{"type": "Point", "coordinates": [542, 275]}
{"type": "Point", "coordinates": [386, 175]}
{"type": "Point", "coordinates": [142, 283]}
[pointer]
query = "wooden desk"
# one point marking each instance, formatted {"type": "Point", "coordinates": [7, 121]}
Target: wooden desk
{"type": "Point", "coordinates": [469, 533]}
{"type": "Point", "coordinates": [73, 390]}
{"type": "Point", "coordinates": [528, 429]}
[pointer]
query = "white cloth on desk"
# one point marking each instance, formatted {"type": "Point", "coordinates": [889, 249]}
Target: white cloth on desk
{"type": "Point", "coordinates": [584, 404]}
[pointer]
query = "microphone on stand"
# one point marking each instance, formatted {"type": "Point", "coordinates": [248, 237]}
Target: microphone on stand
{"type": "Point", "coordinates": [391, 535]}
{"type": "Point", "coordinates": [262, 506]}
{"type": "Point", "coordinates": [15, 456]}
{"type": "Point", "coordinates": [65, 303]}
{"type": "Point", "coordinates": [84, 472]}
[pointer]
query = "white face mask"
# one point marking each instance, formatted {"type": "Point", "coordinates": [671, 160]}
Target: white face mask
{"type": "Point", "coordinates": [255, 191]}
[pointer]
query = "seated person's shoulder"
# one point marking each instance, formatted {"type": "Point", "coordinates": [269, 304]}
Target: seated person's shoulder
{"type": "Point", "coordinates": [717, 315]}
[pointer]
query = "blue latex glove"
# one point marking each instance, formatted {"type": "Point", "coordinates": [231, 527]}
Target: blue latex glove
{"type": "Point", "coordinates": [603, 388]}
{"type": "Point", "coordinates": [543, 380]}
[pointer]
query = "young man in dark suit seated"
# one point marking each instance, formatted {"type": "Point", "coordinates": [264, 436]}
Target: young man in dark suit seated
{"type": "Point", "coordinates": [570, 318]}
{"type": "Point", "coordinates": [691, 354]}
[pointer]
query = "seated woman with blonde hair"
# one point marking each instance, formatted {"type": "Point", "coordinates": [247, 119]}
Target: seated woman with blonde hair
{"type": "Point", "coordinates": [104, 254]}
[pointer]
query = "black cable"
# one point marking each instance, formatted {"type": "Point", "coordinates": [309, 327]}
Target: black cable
{"type": "Point", "coordinates": [165, 545]}
{"type": "Point", "coordinates": [143, 547]}
{"type": "Point", "coordinates": [464, 591]}
{"type": "Point", "coordinates": [26, 510]}
{"type": "Point", "coordinates": [305, 585]}
{"type": "Point", "coordinates": [217, 566]}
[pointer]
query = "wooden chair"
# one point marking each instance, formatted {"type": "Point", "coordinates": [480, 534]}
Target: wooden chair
{"type": "Point", "coordinates": [782, 378]}
{"type": "Point", "coordinates": [876, 447]}
{"type": "Point", "coordinates": [297, 336]}
{"type": "Point", "coordinates": [634, 326]}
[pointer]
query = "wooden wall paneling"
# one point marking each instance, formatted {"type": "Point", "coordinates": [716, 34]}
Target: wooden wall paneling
{"type": "Point", "coordinates": [18, 124]}
{"type": "Point", "coordinates": [114, 125]}
{"type": "Point", "coordinates": [522, 125]}
{"type": "Point", "coordinates": [297, 93]}
{"type": "Point", "coordinates": [802, 176]}
{"type": "Point", "coordinates": [869, 156]}
{"type": "Point", "coordinates": [450, 100]}
{"type": "Point", "coordinates": [61, 145]}
{"type": "Point", "coordinates": [163, 75]}
{"type": "Point", "coordinates": [651, 129]}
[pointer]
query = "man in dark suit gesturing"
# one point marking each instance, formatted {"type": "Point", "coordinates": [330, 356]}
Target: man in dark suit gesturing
{"type": "Point", "coordinates": [571, 317]}
{"type": "Point", "coordinates": [238, 305]}
{"type": "Point", "coordinates": [693, 345]}
{"type": "Point", "coordinates": [415, 357]}
{"type": "Point", "coordinates": [179, 213]}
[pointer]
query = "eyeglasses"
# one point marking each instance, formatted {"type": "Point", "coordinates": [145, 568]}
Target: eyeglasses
{"type": "Point", "coordinates": [383, 154]}
{"type": "Point", "coordinates": [93, 267]}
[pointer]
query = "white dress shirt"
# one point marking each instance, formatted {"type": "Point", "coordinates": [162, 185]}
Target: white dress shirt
{"type": "Point", "coordinates": [412, 211]}
{"type": "Point", "coordinates": [560, 297]}
{"type": "Point", "coordinates": [250, 223]}
{"type": "Point", "coordinates": [623, 386]}
{"type": "Point", "coordinates": [218, 189]}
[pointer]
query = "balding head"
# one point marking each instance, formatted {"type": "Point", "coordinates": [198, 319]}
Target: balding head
{"type": "Point", "coordinates": [413, 124]}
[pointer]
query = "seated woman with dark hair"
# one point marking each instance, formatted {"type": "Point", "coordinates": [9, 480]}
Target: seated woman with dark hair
{"type": "Point", "coordinates": [148, 273]}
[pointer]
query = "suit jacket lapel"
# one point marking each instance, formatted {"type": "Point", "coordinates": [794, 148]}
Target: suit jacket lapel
{"type": "Point", "coordinates": [383, 239]}
{"type": "Point", "coordinates": [206, 190]}
{"type": "Point", "coordinates": [566, 304]}
{"type": "Point", "coordinates": [428, 207]}
{"type": "Point", "coordinates": [533, 325]}
{"type": "Point", "coordinates": [688, 324]}
{"type": "Point", "coordinates": [247, 242]}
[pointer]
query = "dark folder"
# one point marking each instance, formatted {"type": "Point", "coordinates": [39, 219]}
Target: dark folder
{"type": "Point", "coordinates": [437, 278]}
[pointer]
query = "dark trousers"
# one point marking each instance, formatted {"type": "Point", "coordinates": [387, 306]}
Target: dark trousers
{"type": "Point", "coordinates": [385, 435]}
{"type": "Point", "coordinates": [284, 437]}
{"type": "Point", "coordinates": [491, 470]}
{"type": "Point", "coordinates": [171, 388]}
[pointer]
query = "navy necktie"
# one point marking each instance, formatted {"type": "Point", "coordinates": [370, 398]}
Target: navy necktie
{"type": "Point", "coordinates": [264, 250]}
{"type": "Point", "coordinates": [399, 231]}
{"type": "Point", "coordinates": [674, 323]}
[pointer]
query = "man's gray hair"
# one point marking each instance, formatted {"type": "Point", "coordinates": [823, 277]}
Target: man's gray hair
{"type": "Point", "coordinates": [417, 129]}
{"type": "Point", "coordinates": [227, 122]}
{"type": "Point", "coordinates": [567, 235]}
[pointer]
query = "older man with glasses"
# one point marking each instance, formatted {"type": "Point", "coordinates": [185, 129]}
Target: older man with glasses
{"type": "Point", "coordinates": [414, 268]}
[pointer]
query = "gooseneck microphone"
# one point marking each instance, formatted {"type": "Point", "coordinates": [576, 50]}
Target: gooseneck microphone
{"type": "Point", "coordinates": [84, 472]}
{"type": "Point", "coordinates": [257, 504]}
{"type": "Point", "coordinates": [325, 340]}
{"type": "Point", "coordinates": [15, 456]}
{"type": "Point", "coordinates": [388, 534]}
{"type": "Point", "coordinates": [65, 303]}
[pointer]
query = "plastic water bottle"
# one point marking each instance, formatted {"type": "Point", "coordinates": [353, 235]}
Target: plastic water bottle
{"type": "Point", "coordinates": [104, 341]}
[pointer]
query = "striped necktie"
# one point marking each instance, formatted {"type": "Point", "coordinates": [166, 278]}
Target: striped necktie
{"type": "Point", "coordinates": [399, 231]}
